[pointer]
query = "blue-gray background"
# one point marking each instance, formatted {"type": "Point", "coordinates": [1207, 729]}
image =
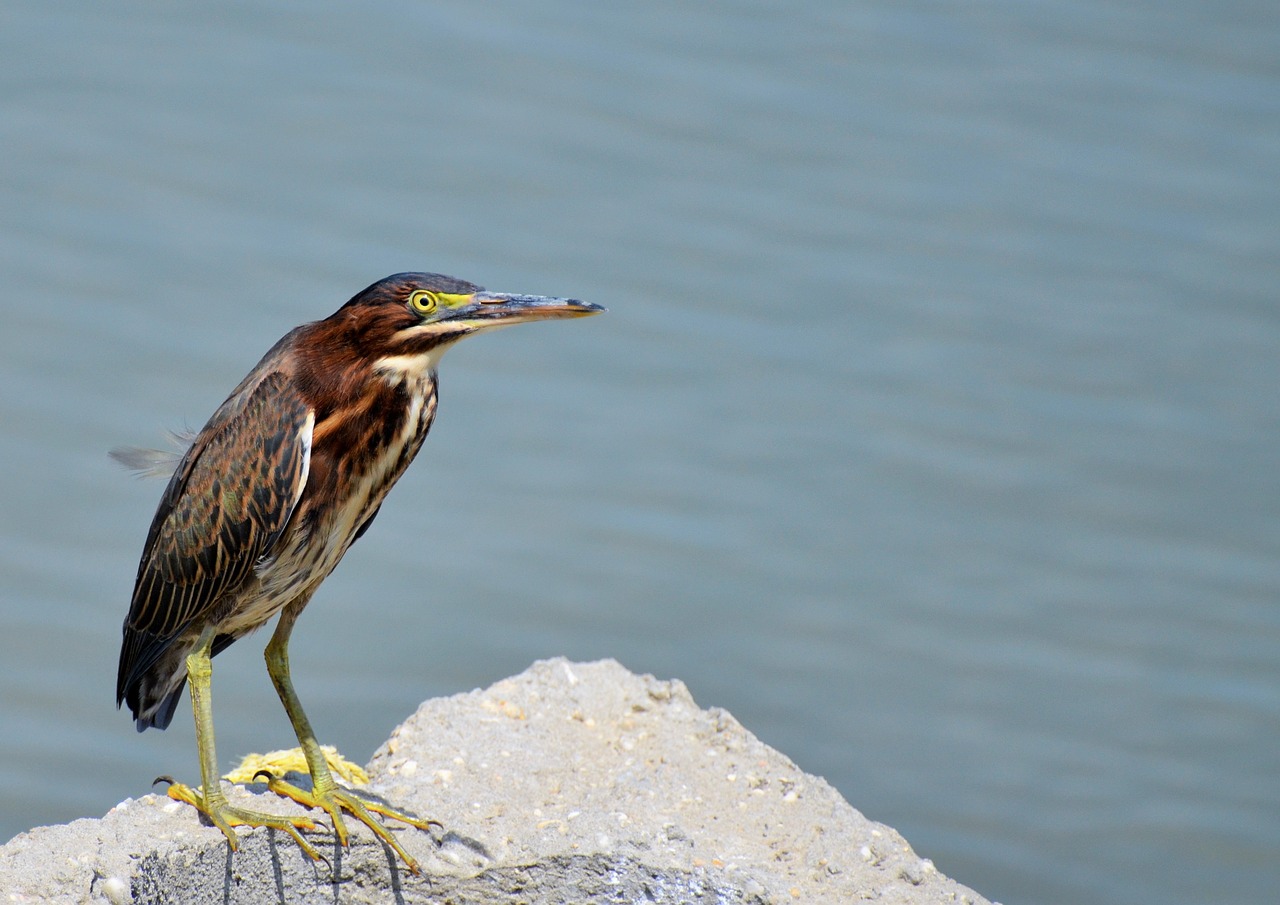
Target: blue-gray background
{"type": "Point", "coordinates": [932, 430]}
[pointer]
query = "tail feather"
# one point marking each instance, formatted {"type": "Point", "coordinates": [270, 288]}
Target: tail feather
{"type": "Point", "coordinates": [152, 693]}
{"type": "Point", "coordinates": [160, 715]}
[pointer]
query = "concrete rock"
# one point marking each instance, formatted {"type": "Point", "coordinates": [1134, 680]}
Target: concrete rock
{"type": "Point", "coordinates": [572, 782]}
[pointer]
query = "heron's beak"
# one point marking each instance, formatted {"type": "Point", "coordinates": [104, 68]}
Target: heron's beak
{"type": "Point", "coordinates": [499, 309]}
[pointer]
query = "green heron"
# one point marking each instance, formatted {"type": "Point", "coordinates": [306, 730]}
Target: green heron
{"type": "Point", "coordinates": [283, 479]}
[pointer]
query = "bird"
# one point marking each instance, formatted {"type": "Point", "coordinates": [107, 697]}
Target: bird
{"type": "Point", "coordinates": [270, 494]}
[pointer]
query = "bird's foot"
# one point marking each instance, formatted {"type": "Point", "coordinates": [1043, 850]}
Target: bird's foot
{"type": "Point", "coordinates": [335, 800]}
{"type": "Point", "coordinates": [225, 816]}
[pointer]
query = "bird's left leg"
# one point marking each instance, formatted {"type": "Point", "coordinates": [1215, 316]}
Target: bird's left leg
{"type": "Point", "coordinates": [210, 799]}
{"type": "Point", "coordinates": [325, 792]}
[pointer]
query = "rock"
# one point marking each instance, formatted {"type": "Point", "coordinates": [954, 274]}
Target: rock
{"type": "Point", "coordinates": [572, 782]}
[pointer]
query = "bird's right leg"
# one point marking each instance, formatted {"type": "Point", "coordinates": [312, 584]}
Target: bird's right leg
{"type": "Point", "coordinates": [211, 800]}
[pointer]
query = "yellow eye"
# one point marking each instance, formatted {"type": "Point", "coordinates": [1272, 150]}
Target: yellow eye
{"type": "Point", "coordinates": [423, 301]}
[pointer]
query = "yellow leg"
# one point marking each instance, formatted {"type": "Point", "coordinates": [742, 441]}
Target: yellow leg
{"type": "Point", "coordinates": [211, 801]}
{"type": "Point", "coordinates": [325, 792]}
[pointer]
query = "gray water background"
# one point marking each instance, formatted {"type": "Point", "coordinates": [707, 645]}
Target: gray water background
{"type": "Point", "coordinates": [932, 430]}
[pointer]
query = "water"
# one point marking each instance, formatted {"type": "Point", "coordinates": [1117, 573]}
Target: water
{"type": "Point", "coordinates": [931, 431]}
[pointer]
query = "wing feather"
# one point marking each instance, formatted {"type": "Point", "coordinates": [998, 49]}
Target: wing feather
{"type": "Point", "coordinates": [224, 509]}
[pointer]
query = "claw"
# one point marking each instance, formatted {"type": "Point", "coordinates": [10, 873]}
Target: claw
{"type": "Point", "coordinates": [224, 816]}
{"type": "Point", "coordinates": [337, 800]}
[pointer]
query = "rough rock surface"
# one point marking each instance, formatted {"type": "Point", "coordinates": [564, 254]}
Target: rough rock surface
{"type": "Point", "coordinates": [572, 782]}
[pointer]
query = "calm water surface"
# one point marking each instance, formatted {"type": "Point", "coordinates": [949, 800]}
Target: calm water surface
{"type": "Point", "coordinates": [931, 431]}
